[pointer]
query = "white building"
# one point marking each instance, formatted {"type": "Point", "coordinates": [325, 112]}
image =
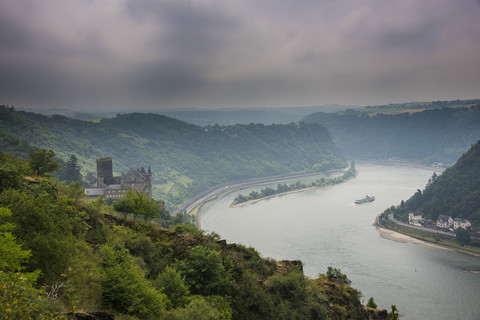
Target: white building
{"type": "Point", "coordinates": [461, 223]}
{"type": "Point", "coordinates": [445, 222]}
{"type": "Point", "coordinates": [415, 219]}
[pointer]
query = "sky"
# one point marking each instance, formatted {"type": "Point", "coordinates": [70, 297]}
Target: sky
{"type": "Point", "coordinates": [113, 55]}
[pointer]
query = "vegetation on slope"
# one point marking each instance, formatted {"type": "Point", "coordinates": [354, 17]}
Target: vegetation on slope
{"type": "Point", "coordinates": [456, 192]}
{"type": "Point", "coordinates": [62, 254]}
{"type": "Point", "coordinates": [184, 158]}
{"type": "Point", "coordinates": [438, 132]}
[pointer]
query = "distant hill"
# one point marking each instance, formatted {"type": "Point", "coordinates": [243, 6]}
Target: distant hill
{"type": "Point", "coordinates": [205, 117]}
{"type": "Point", "coordinates": [456, 192]}
{"type": "Point", "coordinates": [436, 132]}
{"type": "Point", "coordinates": [246, 116]}
{"type": "Point", "coordinates": [184, 158]}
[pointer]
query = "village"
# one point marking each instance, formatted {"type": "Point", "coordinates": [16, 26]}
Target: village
{"type": "Point", "coordinates": [443, 223]}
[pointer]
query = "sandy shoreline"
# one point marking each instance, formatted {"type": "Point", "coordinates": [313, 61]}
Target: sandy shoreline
{"type": "Point", "coordinates": [400, 237]}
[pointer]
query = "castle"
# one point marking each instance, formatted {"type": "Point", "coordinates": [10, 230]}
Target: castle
{"type": "Point", "coordinates": [111, 187]}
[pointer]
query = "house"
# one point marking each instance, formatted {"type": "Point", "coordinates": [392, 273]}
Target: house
{"type": "Point", "coordinates": [416, 219]}
{"type": "Point", "coordinates": [445, 222]}
{"type": "Point", "coordinates": [111, 187]}
{"type": "Point", "coordinates": [461, 223]}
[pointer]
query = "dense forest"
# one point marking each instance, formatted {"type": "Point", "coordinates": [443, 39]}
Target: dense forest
{"type": "Point", "coordinates": [184, 158]}
{"type": "Point", "coordinates": [428, 133]}
{"type": "Point", "coordinates": [456, 192]}
{"type": "Point", "coordinates": [64, 256]}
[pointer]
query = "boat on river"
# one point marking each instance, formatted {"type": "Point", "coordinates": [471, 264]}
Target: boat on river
{"type": "Point", "coordinates": [366, 199]}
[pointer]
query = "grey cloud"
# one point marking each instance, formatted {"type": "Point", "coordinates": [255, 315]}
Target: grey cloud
{"type": "Point", "coordinates": [197, 53]}
{"type": "Point", "coordinates": [166, 82]}
{"type": "Point", "coordinates": [184, 28]}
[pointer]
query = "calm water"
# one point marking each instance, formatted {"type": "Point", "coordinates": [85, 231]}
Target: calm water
{"type": "Point", "coordinates": [323, 227]}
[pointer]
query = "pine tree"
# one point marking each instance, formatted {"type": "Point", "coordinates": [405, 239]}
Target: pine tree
{"type": "Point", "coordinates": [71, 170]}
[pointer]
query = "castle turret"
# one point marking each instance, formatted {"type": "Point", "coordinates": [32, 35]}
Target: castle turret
{"type": "Point", "coordinates": [104, 172]}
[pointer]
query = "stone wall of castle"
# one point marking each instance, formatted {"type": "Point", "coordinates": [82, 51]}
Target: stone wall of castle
{"type": "Point", "coordinates": [135, 179]}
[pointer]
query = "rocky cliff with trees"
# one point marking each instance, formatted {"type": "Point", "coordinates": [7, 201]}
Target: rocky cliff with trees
{"type": "Point", "coordinates": [66, 257]}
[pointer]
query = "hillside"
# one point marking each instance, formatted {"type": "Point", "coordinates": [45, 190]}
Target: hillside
{"type": "Point", "coordinates": [184, 158]}
{"type": "Point", "coordinates": [62, 254]}
{"type": "Point", "coordinates": [456, 192]}
{"type": "Point", "coordinates": [424, 133]}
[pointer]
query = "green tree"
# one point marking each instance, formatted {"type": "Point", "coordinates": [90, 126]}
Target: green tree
{"type": "Point", "coordinates": [138, 204]}
{"type": "Point", "coordinates": [335, 275]}
{"type": "Point", "coordinates": [393, 315]}
{"type": "Point", "coordinates": [371, 303]}
{"type": "Point", "coordinates": [41, 162]}
{"type": "Point", "coordinates": [13, 256]}
{"type": "Point", "coordinates": [125, 288]}
{"type": "Point", "coordinates": [203, 271]}
{"type": "Point", "coordinates": [290, 287]}
{"type": "Point", "coordinates": [173, 285]}
{"type": "Point", "coordinates": [19, 299]}
{"type": "Point", "coordinates": [240, 198]}
{"type": "Point", "coordinates": [45, 223]}
{"type": "Point", "coordinates": [12, 171]}
{"type": "Point", "coordinates": [70, 171]}
{"type": "Point", "coordinates": [198, 309]}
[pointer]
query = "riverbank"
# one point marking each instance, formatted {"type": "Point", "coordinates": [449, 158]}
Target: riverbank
{"type": "Point", "coordinates": [268, 193]}
{"type": "Point", "coordinates": [404, 163]}
{"type": "Point", "coordinates": [397, 235]}
{"type": "Point", "coordinates": [246, 203]}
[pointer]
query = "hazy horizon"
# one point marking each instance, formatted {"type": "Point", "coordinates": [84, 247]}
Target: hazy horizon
{"type": "Point", "coordinates": [110, 56]}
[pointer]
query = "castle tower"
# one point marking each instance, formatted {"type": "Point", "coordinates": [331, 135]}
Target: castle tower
{"type": "Point", "coordinates": [148, 182]}
{"type": "Point", "coordinates": [104, 172]}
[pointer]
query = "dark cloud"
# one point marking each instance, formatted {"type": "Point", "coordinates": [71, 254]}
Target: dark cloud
{"type": "Point", "coordinates": [214, 53]}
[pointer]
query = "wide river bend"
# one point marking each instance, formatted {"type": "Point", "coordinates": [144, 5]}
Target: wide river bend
{"type": "Point", "coordinates": [323, 227]}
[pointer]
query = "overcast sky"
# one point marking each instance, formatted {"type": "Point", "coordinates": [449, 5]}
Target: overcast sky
{"type": "Point", "coordinates": [91, 55]}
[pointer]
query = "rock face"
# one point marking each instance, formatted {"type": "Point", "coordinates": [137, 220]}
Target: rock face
{"type": "Point", "coordinates": [284, 266]}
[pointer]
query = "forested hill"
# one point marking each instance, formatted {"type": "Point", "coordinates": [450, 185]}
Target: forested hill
{"type": "Point", "coordinates": [63, 256]}
{"type": "Point", "coordinates": [184, 158]}
{"type": "Point", "coordinates": [423, 135]}
{"type": "Point", "coordinates": [456, 192]}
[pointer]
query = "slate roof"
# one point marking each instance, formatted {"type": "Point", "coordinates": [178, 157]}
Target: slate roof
{"type": "Point", "coordinates": [135, 175]}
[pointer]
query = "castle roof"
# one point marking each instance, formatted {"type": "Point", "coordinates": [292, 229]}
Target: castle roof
{"type": "Point", "coordinates": [135, 175]}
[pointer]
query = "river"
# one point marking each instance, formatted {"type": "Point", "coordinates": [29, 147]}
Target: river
{"type": "Point", "coordinates": [323, 227]}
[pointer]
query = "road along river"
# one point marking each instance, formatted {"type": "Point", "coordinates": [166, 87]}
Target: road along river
{"type": "Point", "coordinates": [323, 227]}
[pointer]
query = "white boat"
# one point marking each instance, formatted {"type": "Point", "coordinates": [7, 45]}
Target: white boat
{"type": "Point", "coordinates": [366, 199]}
